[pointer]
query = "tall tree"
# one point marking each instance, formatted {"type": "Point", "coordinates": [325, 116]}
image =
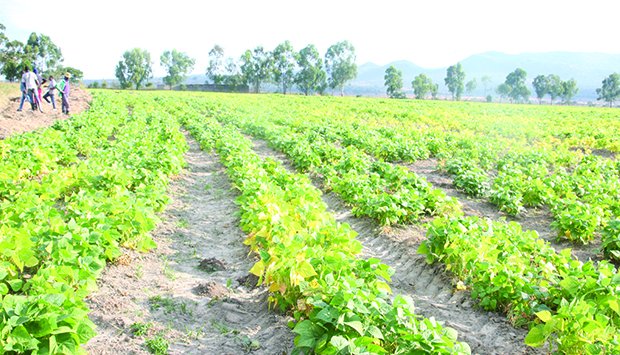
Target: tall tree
{"type": "Point", "coordinates": [554, 86]}
{"type": "Point", "coordinates": [503, 90]}
{"type": "Point", "coordinates": [422, 85]}
{"type": "Point", "coordinates": [340, 65]}
{"type": "Point", "coordinates": [232, 76]}
{"type": "Point", "coordinates": [215, 71]}
{"type": "Point", "coordinates": [311, 76]}
{"type": "Point", "coordinates": [541, 87]}
{"type": "Point", "coordinates": [569, 90]}
{"type": "Point", "coordinates": [13, 60]}
{"type": "Point", "coordinates": [134, 69]}
{"type": "Point", "coordinates": [471, 85]}
{"type": "Point", "coordinates": [516, 83]}
{"type": "Point", "coordinates": [455, 81]}
{"type": "Point", "coordinates": [256, 67]}
{"type": "Point", "coordinates": [486, 82]}
{"type": "Point", "coordinates": [42, 52]}
{"type": "Point", "coordinates": [610, 90]}
{"type": "Point", "coordinates": [177, 65]}
{"type": "Point", "coordinates": [3, 37]}
{"type": "Point", "coordinates": [394, 83]}
{"type": "Point", "coordinates": [284, 65]}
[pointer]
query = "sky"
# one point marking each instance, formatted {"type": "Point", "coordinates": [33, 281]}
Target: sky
{"type": "Point", "coordinates": [435, 33]}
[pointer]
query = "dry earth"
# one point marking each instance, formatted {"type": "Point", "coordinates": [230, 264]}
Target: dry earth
{"type": "Point", "coordinates": [194, 290]}
{"type": "Point", "coordinates": [429, 285]}
{"type": "Point", "coordinates": [12, 121]}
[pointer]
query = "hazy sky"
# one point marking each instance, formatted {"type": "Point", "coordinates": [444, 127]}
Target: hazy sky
{"type": "Point", "coordinates": [94, 34]}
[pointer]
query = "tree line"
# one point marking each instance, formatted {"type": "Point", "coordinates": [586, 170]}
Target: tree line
{"type": "Point", "coordinates": [39, 52]}
{"type": "Point", "coordinates": [513, 88]}
{"type": "Point", "coordinates": [283, 66]}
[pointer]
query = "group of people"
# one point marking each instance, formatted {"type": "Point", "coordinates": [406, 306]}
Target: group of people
{"type": "Point", "coordinates": [31, 87]}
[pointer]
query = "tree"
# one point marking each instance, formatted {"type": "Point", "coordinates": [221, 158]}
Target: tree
{"type": "Point", "coordinates": [541, 87]}
{"type": "Point", "coordinates": [394, 83]}
{"type": "Point", "coordinates": [569, 90]}
{"type": "Point", "coordinates": [216, 65]}
{"type": "Point", "coordinates": [256, 67]}
{"type": "Point", "coordinates": [340, 65]}
{"type": "Point", "coordinates": [232, 76]}
{"type": "Point", "coordinates": [471, 86]}
{"type": "Point", "coordinates": [42, 52]}
{"type": "Point", "coordinates": [284, 65]}
{"type": "Point", "coordinates": [455, 79]}
{"type": "Point", "coordinates": [134, 69]}
{"type": "Point", "coordinates": [554, 88]}
{"type": "Point", "coordinates": [610, 90]}
{"type": "Point", "coordinates": [434, 91]}
{"type": "Point", "coordinates": [422, 85]}
{"type": "Point", "coordinates": [487, 82]}
{"type": "Point", "coordinates": [503, 90]}
{"type": "Point", "coordinates": [13, 60]}
{"type": "Point", "coordinates": [177, 65]}
{"type": "Point", "coordinates": [311, 76]}
{"type": "Point", "coordinates": [515, 81]}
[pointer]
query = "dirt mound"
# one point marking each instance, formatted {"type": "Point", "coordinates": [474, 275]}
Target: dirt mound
{"type": "Point", "coordinates": [13, 121]}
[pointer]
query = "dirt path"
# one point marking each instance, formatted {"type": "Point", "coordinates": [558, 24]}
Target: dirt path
{"type": "Point", "coordinates": [194, 290]}
{"type": "Point", "coordinates": [12, 122]}
{"type": "Point", "coordinates": [429, 286]}
{"type": "Point", "coordinates": [538, 219]}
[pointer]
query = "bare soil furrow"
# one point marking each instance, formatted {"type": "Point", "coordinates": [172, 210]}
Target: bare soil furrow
{"type": "Point", "coordinates": [194, 290]}
{"type": "Point", "coordinates": [429, 285]}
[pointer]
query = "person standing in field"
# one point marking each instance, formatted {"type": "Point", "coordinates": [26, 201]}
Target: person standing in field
{"type": "Point", "coordinates": [40, 81]}
{"type": "Point", "coordinates": [30, 80]}
{"type": "Point", "coordinates": [65, 89]}
{"type": "Point", "coordinates": [22, 88]}
{"type": "Point", "coordinates": [51, 89]}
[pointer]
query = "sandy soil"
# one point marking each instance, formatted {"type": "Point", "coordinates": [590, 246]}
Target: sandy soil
{"type": "Point", "coordinates": [12, 121]}
{"type": "Point", "coordinates": [194, 290]}
{"type": "Point", "coordinates": [429, 285]}
{"type": "Point", "coordinates": [538, 219]}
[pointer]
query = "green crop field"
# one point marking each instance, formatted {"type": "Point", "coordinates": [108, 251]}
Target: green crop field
{"type": "Point", "coordinates": [540, 179]}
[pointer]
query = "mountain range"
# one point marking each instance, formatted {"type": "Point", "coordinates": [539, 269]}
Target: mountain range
{"type": "Point", "coordinates": [588, 69]}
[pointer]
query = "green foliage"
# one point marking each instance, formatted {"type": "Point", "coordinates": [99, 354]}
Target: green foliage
{"type": "Point", "coordinates": [340, 65]}
{"type": "Point", "coordinates": [569, 90]}
{"type": "Point", "coordinates": [69, 198]}
{"type": "Point", "coordinates": [13, 60]}
{"type": "Point", "coordinates": [134, 69]}
{"type": "Point", "coordinates": [177, 65]}
{"type": "Point", "coordinates": [157, 345]}
{"type": "Point", "coordinates": [554, 88]}
{"type": "Point", "coordinates": [572, 305]}
{"type": "Point", "coordinates": [610, 90]}
{"type": "Point", "coordinates": [394, 83]}
{"type": "Point", "coordinates": [422, 86]}
{"type": "Point", "coordinates": [256, 67]}
{"type": "Point", "coordinates": [140, 329]}
{"type": "Point", "coordinates": [471, 85]}
{"type": "Point", "coordinates": [611, 240]}
{"type": "Point", "coordinates": [541, 86]}
{"type": "Point", "coordinates": [284, 65]}
{"type": "Point", "coordinates": [515, 84]}
{"type": "Point", "coordinates": [455, 80]}
{"type": "Point", "coordinates": [309, 261]}
{"type": "Point", "coordinates": [311, 77]}
{"type": "Point", "coordinates": [215, 70]}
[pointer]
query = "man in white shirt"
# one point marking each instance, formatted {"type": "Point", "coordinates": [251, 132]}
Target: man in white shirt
{"type": "Point", "coordinates": [30, 79]}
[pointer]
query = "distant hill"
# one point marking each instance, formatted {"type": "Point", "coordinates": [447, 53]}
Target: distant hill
{"type": "Point", "coordinates": [588, 69]}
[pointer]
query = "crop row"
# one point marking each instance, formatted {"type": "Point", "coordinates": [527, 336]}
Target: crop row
{"type": "Point", "coordinates": [309, 261]}
{"type": "Point", "coordinates": [70, 197]}
{"type": "Point", "coordinates": [574, 306]}
{"type": "Point", "coordinates": [386, 192]}
{"type": "Point", "coordinates": [582, 192]}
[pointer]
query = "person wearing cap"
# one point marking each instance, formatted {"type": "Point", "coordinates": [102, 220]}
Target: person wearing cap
{"type": "Point", "coordinates": [64, 93]}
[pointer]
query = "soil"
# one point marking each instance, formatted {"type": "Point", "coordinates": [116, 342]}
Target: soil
{"type": "Point", "coordinates": [13, 122]}
{"type": "Point", "coordinates": [430, 286]}
{"type": "Point", "coordinates": [194, 289]}
{"type": "Point", "coordinates": [538, 219]}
